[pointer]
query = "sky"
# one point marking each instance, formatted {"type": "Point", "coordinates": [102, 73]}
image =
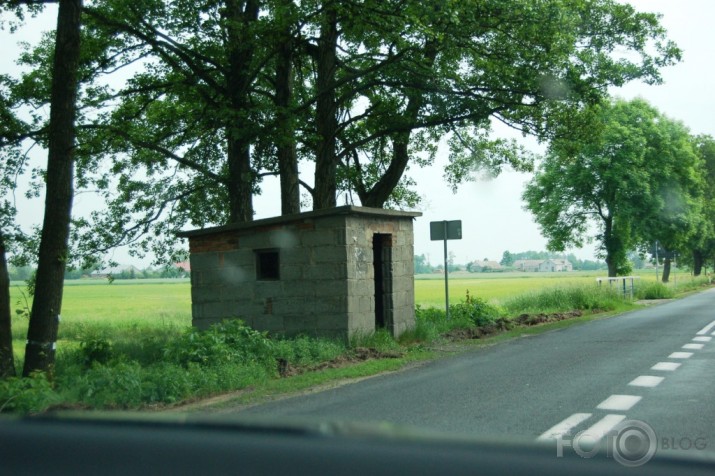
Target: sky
{"type": "Point", "coordinates": [491, 211]}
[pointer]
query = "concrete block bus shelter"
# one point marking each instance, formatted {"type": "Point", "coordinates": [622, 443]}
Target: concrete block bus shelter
{"type": "Point", "coordinates": [332, 272]}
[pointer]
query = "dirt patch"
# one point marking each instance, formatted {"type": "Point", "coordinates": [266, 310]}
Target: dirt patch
{"type": "Point", "coordinates": [359, 354]}
{"type": "Point", "coordinates": [652, 302]}
{"type": "Point", "coordinates": [503, 324]}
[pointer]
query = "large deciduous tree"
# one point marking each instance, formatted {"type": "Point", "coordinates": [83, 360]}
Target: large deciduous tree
{"type": "Point", "coordinates": [630, 177]}
{"type": "Point", "coordinates": [53, 252]}
{"type": "Point", "coordinates": [701, 250]}
{"type": "Point", "coordinates": [231, 91]}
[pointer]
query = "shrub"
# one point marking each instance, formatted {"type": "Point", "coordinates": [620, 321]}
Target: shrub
{"type": "Point", "coordinates": [95, 349]}
{"type": "Point", "coordinates": [230, 341]}
{"type": "Point", "coordinates": [26, 395]}
{"type": "Point", "coordinates": [475, 310]}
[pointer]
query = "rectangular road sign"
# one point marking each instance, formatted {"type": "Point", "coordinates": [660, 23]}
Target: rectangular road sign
{"type": "Point", "coordinates": [454, 230]}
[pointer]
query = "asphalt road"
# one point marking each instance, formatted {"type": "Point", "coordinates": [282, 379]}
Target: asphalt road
{"type": "Point", "coordinates": [587, 378]}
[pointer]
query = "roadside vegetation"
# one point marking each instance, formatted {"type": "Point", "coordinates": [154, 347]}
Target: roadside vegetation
{"type": "Point", "coordinates": [159, 363]}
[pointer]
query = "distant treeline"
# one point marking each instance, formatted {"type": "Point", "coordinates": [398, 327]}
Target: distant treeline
{"type": "Point", "coordinates": [24, 273]}
{"type": "Point", "coordinates": [423, 266]}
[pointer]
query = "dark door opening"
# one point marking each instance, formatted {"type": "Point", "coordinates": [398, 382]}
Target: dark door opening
{"type": "Point", "coordinates": [382, 265]}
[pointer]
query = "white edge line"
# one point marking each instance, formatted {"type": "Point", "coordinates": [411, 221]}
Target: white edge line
{"type": "Point", "coordinates": [707, 328]}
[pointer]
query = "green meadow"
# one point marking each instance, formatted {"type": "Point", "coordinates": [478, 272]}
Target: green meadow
{"type": "Point", "coordinates": [167, 303]}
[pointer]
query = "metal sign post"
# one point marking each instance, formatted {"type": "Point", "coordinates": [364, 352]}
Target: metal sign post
{"type": "Point", "coordinates": [446, 230]}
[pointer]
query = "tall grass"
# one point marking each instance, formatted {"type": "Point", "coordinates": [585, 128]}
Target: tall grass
{"type": "Point", "coordinates": [564, 298]}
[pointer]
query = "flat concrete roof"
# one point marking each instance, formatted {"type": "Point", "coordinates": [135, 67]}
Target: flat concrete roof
{"type": "Point", "coordinates": [284, 219]}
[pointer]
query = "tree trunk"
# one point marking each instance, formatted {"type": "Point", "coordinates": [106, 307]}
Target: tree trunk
{"type": "Point", "coordinates": [241, 47]}
{"type": "Point", "coordinates": [610, 243]}
{"type": "Point", "coordinates": [698, 262]}
{"type": "Point", "coordinates": [7, 360]}
{"type": "Point", "coordinates": [666, 270]}
{"type": "Point", "coordinates": [326, 120]}
{"type": "Point", "coordinates": [381, 191]}
{"type": "Point", "coordinates": [52, 256]}
{"type": "Point", "coordinates": [286, 147]}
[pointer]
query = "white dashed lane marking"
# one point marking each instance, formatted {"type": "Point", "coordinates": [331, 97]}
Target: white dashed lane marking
{"type": "Point", "coordinates": [601, 427]}
{"type": "Point", "coordinates": [707, 328]}
{"type": "Point", "coordinates": [646, 381]}
{"type": "Point", "coordinates": [564, 426]}
{"type": "Point", "coordinates": [619, 403]}
{"type": "Point", "coordinates": [667, 366]}
{"type": "Point", "coordinates": [624, 403]}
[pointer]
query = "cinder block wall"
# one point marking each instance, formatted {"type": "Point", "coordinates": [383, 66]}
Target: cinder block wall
{"type": "Point", "coordinates": [326, 284]}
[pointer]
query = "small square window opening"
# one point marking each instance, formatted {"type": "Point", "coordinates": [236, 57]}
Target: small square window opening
{"type": "Point", "coordinates": [267, 265]}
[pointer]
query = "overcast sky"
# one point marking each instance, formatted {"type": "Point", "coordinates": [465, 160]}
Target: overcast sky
{"type": "Point", "coordinates": [491, 211]}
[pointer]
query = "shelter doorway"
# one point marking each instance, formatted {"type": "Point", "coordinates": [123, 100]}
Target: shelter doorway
{"type": "Point", "coordinates": [382, 266]}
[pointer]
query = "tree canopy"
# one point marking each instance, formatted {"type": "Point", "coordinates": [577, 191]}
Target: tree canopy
{"type": "Point", "coordinates": [635, 177]}
{"type": "Point", "coordinates": [215, 96]}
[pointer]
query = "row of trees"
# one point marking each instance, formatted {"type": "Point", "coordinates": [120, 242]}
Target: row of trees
{"type": "Point", "coordinates": [637, 178]}
{"type": "Point", "coordinates": [25, 273]}
{"type": "Point", "coordinates": [173, 112]}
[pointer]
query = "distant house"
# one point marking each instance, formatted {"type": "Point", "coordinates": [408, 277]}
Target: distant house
{"type": "Point", "coordinates": [484, 266]}
{"type": "Point", "coordinates": [555, 266]}
{"type": "Point", "coordinates": [543, 265]}
{"type": "Point", "coordinates": [114, 271]}
{"type": "Point", "coordinates": [527, 265]}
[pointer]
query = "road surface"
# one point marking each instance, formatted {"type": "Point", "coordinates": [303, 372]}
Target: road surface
{"type": "Point", "coordinates": [655, 365]}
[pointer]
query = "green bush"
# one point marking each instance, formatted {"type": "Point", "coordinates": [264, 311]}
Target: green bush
{"type": "Point", "coordinates": [95, 349]}
{"type": "Point", "coordinates": [230, 341]}
{"type": "Point", "coordinates": [26, 395]}
{"type": "Point", "coordinates": [475, 310]}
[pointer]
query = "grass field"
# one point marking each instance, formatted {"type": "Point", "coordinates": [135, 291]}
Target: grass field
{"type": "Point", "coordinates": [494, 287]}
{"type": "Point", "coordinates": [158, 303]}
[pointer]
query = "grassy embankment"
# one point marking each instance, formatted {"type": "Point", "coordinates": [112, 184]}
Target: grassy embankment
{"type": "Point", "coordinates": [129, 345]}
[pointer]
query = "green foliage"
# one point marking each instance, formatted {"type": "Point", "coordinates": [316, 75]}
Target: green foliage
{"type": "Point", "coordinates": [475, 310]}
{"type": "Point", "coordinates": [655, 290]}
{"type": "Point", "coordinates": [634, 176]}
{"type": "Point", "coordinates": [230, 341]}
{"type": "Point", "coordinates": [26, 395]}
{"type": "Point", "coordinates": [95, 349]}
{"type": "Point", "coordinates": [564, 299]}
{"type": "Point", "coordinates": [306, 351]}
{"type": "Point", "coordinates": [380, 340]}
